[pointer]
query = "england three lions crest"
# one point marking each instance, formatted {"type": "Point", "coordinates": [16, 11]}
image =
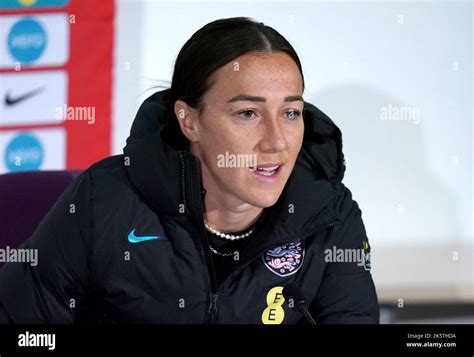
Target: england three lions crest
{"type": "Point", "coordinates": [284, 260]}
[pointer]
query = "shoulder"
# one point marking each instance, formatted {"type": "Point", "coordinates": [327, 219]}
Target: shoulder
{"type": "Point", "coordinates": [107, 181]}
{"type": "Point", "coordinates": [350, 231]}
{"type": "Point", "coordinates": [103, 188]}
{"type": "Point", "coordinates": [110, 170]}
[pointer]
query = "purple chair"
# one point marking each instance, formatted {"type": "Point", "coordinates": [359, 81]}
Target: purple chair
{"type": "Point", "coordinates": [25, 198]}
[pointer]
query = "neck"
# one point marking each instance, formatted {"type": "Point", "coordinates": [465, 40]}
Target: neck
{"type": "Point", "coordinates": [224, 216]}
{"type": "Point", "coordinates": [222, 212]}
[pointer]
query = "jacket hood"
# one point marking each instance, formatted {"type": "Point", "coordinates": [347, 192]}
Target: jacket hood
{"type": "Point", "coordinates": [152, 158]}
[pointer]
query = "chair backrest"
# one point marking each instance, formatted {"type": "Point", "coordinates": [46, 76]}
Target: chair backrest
{"type": "Point", "coordinates": [25, 198]}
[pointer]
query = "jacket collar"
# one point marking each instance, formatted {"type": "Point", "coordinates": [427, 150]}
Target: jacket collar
{"type": "Point", "coordinates": [153, 156]}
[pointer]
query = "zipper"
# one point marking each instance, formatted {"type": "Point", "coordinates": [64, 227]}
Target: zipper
{"type": "Point", "coordinates": [181, 157]}
{"type": "Point", "coordinates": [197, 201]}
{"type": "Point", "coordinates": [212, 311]}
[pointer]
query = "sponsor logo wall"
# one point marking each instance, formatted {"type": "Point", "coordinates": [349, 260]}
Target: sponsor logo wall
{"type": "Point", "coordinates": [55, 83]}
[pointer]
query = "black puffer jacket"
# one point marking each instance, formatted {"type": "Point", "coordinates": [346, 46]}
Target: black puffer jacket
{"type": "Point", "coordinates": [134, 248]}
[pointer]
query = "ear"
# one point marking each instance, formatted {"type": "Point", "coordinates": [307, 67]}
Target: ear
{"type": "Point", "coordinates": [187, 118]}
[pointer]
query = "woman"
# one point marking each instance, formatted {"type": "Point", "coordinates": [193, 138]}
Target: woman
{"type": "Point", "coordinates": [229, 190]}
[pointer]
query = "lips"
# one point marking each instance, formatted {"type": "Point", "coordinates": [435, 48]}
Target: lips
{"type": "Point", "coordinates": [266, 169]}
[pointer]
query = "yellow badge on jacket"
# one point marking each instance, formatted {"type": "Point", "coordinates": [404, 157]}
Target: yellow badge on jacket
{"type": "Point", "coordinates": [274, 312]}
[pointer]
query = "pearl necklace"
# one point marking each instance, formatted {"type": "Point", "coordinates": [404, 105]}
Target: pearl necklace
{"type": "Point", "coordinates": [227, 235]}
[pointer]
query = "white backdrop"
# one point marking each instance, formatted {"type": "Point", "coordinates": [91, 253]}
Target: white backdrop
{"type": "Point", "coordinates": [363, 62]}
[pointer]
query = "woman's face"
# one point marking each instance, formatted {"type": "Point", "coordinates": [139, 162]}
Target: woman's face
{"type": "Point", "coordinates": [253, 111]}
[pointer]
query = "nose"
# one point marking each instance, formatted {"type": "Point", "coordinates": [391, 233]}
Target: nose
{"type": "Point", "coordinates": [273, 138]}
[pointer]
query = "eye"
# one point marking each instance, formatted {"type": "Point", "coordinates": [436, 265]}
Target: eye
{"type": "Point", "coordinates": [246, 114]}
{"type": "Point", "coordinates": [293, 114]}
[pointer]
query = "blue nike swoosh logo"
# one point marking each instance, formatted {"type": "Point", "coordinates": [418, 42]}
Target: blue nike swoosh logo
{"type": "Point", "coordinates": [132, 238]}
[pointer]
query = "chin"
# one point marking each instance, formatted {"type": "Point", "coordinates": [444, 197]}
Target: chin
{"type": "Point", "coordinates": [263, 199]}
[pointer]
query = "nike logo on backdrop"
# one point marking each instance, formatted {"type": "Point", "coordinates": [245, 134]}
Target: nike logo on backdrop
{"type": "Point", "coordinates": [132, 238]}
{"type": "Point", "coordinates": [11, 100]}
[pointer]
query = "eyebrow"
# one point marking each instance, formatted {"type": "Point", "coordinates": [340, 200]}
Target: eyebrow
{"type": "Point", "coordinates": [252, 98]}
